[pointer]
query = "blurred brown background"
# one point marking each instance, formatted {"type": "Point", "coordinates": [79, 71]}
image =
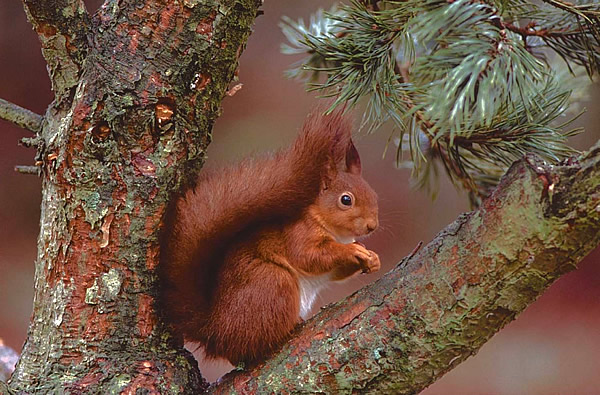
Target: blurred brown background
{"type": "Point", "coordinates": [553, 348]}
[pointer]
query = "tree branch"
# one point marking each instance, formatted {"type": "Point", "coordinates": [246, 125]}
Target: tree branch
{"type": "Point", "coordinates": [20, 116]}
{"type": "Point", "coordinates": [34, 170]}
{"type": "Point", "coordinates": [588, 12]}
{"type": "Point", "coordinates": [437, 308]}
{"type": "Point", "coordinates": [62, 26]}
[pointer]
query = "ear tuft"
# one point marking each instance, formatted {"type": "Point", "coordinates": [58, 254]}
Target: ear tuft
{"type": "Point", "coordinates": [353, 165]}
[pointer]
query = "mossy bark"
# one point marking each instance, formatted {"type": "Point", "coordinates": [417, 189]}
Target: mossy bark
{"type": "Point", "coordinates": [435, 309]}
{"type": "Point", "coordinates": [138, 86]}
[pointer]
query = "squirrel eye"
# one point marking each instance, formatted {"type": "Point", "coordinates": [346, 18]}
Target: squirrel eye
{"type": "Point", "coordinates": [346, 199]}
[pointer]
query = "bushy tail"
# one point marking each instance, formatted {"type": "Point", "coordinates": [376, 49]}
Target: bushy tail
{"type": "Point", "coordinates": [228, 201]}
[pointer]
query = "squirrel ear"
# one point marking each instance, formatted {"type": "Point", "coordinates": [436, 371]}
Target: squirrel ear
{"type": "Point", "coordinates": [353, 160]}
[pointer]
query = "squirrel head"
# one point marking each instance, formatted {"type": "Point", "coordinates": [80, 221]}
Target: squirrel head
{"type": "Point", "coordinates": [347, 205]}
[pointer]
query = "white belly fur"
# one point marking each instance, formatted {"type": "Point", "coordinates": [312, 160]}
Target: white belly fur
{"type": "Point", "coordinates": [310, 286]}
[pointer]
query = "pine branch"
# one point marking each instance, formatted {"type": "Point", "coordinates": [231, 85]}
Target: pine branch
{"type": "Point", "coordinates": [353, 46]}
{"type": "Point", "coordinates": [474, 67]}
{"type": "Point", "coordinates": [450, 72]}
{"type": "Point", "coordinates": [439, 307]}
{"type": "Point", "coordinates": [20, 116]}
{"type": "Point", "coordinates": [570, 30]}
{"type": "Point", "coordinates": [477, 160]}
{"type": "Point", "coordinates": [588, 12]}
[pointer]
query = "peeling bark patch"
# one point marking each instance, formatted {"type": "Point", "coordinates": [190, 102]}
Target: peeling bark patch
{"type": "Point", "coordinates": [89, 380]}
{"type": "Point", "coordinates": [165, 17]}
{"type": "Point", "coordinates": [133, 44]}
{"type": "Point", "coordinates": [46, 30]}
{"type": "Point", "coordinates": [146, 381]}
{"type": "Point", "coordinates": [59, 297]}
{"type": "Point", "coordinates": [105, 229]}
{"type": "Point", "coordinates": [152, 257]}
{"type": "Point", "coordinates": [152, 222]}
{"type": "Point", "coordinates": [205, 26]}
{"type": "Point", "coordinates": [164, 112]}
{"type": "Point", "coordinates": [235, 89]}
{"type": "Point", "coordinates": [146, 316]}
{"type": "Point", "coordinates": [453, 258]}
{"type": "Point", "coordinates": [112, 283]}
{"type": "Point", "coordinates": [94, 207]}
{"type": "Point", "coordinates": [350, 314]}
{"type": "Point", "coordinates": [82, 109]}
{"type": "Point", "coordinates": [92, 294]}
{"type": "Point", "coordinates": [79, 246]}
{"type": "Point", "coordinates": [191, 3]}
{"type": "Point", "coordinates": [387, 314]}
{"type": "Point", "coordinates": [96, 328]}
{"type": "Point", "coordinates": [144, 166]}
{"type": "Point", "coordinates": [104, 291]}
{"type": "Point", "coordinates": [473, 272]}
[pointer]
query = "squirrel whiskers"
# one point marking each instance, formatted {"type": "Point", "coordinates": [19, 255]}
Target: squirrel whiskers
{"type": "Point", "coordinates": [246, 250]}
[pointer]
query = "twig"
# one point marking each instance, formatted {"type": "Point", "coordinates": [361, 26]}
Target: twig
{"type": "Point", "coordinates": [28, 170]}
{"type": "Point", "coordinates": [589, 15]}
{"type": "Point", "coordinates": [427, 127]}
{"type": "Point", "coordinates": [530, 30]}
{"type": "Point", "coordinates": [20, 116]}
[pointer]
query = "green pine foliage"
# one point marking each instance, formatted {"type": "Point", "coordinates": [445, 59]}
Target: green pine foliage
{"type": "Point", "coordinates": [469, 85]}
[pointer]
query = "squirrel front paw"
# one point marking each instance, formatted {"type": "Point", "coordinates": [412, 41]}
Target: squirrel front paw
{"type": "Point", "coordinates": [368, 259]}
{"type": "Point", "coordinates": [373, 264]}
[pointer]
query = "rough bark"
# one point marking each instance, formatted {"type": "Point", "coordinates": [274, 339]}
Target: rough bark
{"type": "Point", "coordinates": [435, 309]}
{"type": "Point", "coordinates": [63, 27]}
{"type": "Point", "coordinates": [137, 88]}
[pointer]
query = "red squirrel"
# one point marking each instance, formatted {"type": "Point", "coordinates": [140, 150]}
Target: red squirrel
{"type": "Point", "coordinates": [250, 246]}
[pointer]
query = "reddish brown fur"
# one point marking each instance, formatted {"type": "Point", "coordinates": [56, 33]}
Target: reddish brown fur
{"type": "Point", "coordinates": [241, 239]}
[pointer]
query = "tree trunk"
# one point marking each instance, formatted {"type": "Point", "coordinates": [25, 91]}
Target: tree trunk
{"type": "Point", "coordinates": [137, 88]}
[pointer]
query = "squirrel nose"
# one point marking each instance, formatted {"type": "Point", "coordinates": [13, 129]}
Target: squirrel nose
{"type": "Point", "coordinates": [371, 226]}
